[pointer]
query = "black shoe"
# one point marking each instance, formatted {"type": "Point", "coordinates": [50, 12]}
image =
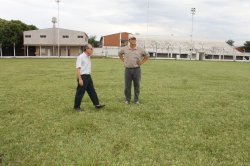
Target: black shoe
{"type": "Point", "coordinates": [137, 103]}
{"type": "Point", "coordinates": [99, 106]}
{"type": "Point", "coordinates": [127, 102]}
{"type": "Point", "coordinates": [78, 109]}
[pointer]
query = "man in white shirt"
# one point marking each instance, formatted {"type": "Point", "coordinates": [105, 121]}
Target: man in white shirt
{"type": "Point", "coordinates": [84, 80]}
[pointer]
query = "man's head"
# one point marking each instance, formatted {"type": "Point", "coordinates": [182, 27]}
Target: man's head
{"type": "Point", "coordinates": [132, 40]}
{"type": "Point", "coordinates": [131, 37]}
{"type": "Point", "coordinates": [88, 49]}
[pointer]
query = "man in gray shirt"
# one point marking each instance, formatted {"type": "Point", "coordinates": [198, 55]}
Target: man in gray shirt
{"type": "Point", "coordinates": [133, 57]}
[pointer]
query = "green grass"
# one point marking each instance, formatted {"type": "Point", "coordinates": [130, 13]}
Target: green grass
{"type": "Point", "coordinates": [191, 113]}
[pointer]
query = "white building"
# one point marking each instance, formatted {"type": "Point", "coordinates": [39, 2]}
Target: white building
{"type": "Point", "coordinates": [184, 48]}
{"type": "Point", "coordinates": [45, 42]}
{"type": "Point", "coordinates": [170, 47]}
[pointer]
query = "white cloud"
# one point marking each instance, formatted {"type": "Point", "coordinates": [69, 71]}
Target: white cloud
{"type": "Point", "coordinates": [214, 19]}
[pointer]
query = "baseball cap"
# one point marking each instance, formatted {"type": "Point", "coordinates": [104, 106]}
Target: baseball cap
{"type": "Point", "coordinates": [130, 36]}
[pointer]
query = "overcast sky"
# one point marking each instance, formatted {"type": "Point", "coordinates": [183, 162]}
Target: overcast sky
{"type": "Point", "coordinates": [214, 19]}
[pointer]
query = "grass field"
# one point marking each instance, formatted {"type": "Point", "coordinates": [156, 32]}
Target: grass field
{"type": "Point", "coordinates": [191, 113]}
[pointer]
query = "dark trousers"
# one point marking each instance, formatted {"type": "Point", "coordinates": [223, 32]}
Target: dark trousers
{"type": "Point", "coordinates": [132, 75]}
{"type": "Point", "coordinates": [87, 86]}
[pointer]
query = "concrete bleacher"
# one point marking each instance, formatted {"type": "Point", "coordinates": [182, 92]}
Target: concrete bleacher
{"type": "Point", "coordinates": [171, 47]}
{"type": "Point", "coordinates": [185, 46]}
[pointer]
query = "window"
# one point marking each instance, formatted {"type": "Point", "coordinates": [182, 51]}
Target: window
{"type": "Point", "coordinates": [65, 36]}
{"type": "Point", "coordinates": [80, 36]}
{"type": "Point", "coordinates": [43, 51]}
{"type": "Point", "coordinates": [42, 36]}
{"type": "Point", "coordinates": [27, 36]}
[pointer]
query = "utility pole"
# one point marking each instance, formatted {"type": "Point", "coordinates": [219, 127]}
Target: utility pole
{"type": "Point", "coordinates": [146, 37]}
{"type": "Point", "coordinates": [14, 49]}
{"type": "Point", "coordinates": [1, 51]}
{"type": "Point", "coordinates": [58, 31]}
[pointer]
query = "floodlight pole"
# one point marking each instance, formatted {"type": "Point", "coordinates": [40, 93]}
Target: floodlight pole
{"type": "Point", "coordinates": [147, 16]}
{"type": "Point", "coordinates": [192, 29]}
{"type": "Point", "coordinates": [146, 38]}
{"type": "Point", "coordinates": [58, 33]}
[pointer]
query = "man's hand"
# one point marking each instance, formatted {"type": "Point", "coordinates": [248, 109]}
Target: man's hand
{"type": "Point", "coordinates": [80, 82]}
{"type": "Point", "coordinates": [121, 57]}
{"type": "Point", "coordinates": [139, 62]}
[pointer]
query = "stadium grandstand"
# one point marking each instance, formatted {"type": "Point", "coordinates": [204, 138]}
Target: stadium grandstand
{"type": "Point", "coordinates": [171, 47]}
{"type": "Point", "coordinates": [185, 48]}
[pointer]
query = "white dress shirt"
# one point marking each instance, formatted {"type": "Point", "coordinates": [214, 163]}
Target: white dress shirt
{"type": "Point", "coordinates": [83, 62]}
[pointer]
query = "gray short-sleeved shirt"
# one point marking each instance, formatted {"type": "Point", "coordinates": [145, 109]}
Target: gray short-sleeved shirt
{"type": "Point", "coordinates": [132, 56]}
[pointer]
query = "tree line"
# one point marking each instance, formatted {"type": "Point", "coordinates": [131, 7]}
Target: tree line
{"type": "Point", "coordinates": [245, 47]}
{"type": "Point", "coordinates": [11, 35]}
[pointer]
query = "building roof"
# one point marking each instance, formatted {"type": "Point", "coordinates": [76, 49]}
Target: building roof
{"type": "Point", "coordinates": [115, 34]}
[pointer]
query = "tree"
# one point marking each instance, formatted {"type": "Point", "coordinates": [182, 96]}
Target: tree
{"type": "Point", "coordinates": [11, 33]}
{"type": "Point", "coordinates": [230, 42]}
{"type": "Point", "coordinates": [94, 42]}
{"type": "Point", "coordinates": [247, 46]}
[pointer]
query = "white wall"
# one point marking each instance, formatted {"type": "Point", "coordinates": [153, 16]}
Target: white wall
{"type": "Point", "coordinates": [107, 51]}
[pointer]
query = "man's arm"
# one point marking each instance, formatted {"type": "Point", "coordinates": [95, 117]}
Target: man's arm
{"type": "Point", "coordinates": [121, 54]}
{"type": "Point", "coordinates": [121, 57]}
{"type": "Point", "coordinates": [145, 58]}
{"type": "Point", "coordinates": [78, 74]}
